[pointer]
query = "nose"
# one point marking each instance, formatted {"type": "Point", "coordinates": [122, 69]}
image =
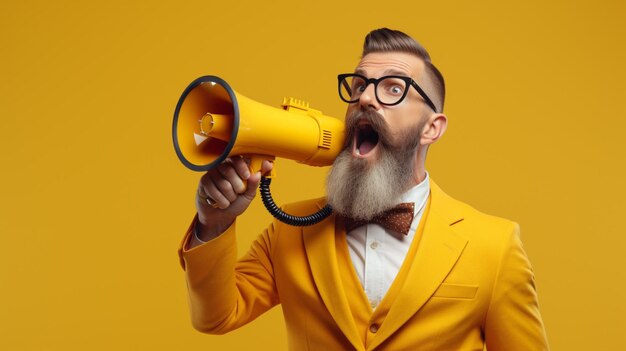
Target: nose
{"type": "Point", "coordinates": [368, 98]}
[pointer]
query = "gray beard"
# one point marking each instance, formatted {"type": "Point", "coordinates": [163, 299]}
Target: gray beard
{"type": "Point", "coordinates": [360, 190]}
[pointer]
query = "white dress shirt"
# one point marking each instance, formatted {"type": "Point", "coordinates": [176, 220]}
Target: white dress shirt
{"type": "Point", "coordinates": [377, 253]}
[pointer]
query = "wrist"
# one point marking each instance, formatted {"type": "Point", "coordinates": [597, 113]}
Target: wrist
{"type": "Point", "coordinates": [209, 231]}
{"type": "Point", "coordinates": [196, 233]}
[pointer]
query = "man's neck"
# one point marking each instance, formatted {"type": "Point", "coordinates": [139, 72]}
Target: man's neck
{"type": "Point", "coordinates": [419, 173]}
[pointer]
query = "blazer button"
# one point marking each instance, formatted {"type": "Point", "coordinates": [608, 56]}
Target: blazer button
{"type": "Point", "coordinates": [374, 328]}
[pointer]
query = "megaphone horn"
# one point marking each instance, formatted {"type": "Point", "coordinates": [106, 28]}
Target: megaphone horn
{"type": "Point", "coordinates": [213, 122]}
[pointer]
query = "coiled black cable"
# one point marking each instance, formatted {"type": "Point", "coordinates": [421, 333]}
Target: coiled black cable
{"type": "Point", "coordinates": [279, 214]}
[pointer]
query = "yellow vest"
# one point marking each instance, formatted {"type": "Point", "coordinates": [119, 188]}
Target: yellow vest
{"type": "Point", "coordinates": [366, 319]}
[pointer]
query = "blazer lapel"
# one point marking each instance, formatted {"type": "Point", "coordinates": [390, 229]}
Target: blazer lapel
{"type": "Point", "coordinates": [438, 250]}
{"type": "Point", "coordinates": [319, 243]}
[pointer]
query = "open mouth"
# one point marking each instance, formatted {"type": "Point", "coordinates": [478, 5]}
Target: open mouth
{"type": "Point", "coordinates": [365, 139]}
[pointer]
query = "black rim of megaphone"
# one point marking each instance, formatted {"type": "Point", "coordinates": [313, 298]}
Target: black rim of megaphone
{"type": "Point", "coordinates": [233, 135]}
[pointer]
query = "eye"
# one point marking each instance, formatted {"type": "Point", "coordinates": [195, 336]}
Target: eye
{"type": "Point", "coordinates": [358, 85]}
{"type": "Point", "coordinates": [396, 89]}
{"type": "Point", "coordinates": [392, 86]}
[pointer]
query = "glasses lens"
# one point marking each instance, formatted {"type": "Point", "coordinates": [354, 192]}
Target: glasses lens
{"type": "Point", "coordinates": [351, 87]}
{"type": "Point", "coordinates": [390, 90]}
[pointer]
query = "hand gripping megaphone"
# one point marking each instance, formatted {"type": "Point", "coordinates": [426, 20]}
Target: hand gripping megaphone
{"type": "Point", "coordinates": [213, 122]}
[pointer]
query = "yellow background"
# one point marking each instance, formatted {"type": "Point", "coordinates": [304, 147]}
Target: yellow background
{"type": "Point", "coordinates": [94, 200]}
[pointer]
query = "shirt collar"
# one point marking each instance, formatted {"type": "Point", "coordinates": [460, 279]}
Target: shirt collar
{"type": "Point", "coordinates": [417, 194]}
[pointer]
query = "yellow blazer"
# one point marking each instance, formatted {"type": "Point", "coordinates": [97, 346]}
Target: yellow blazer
{"type": "Point", "coordinates": [469, 284]}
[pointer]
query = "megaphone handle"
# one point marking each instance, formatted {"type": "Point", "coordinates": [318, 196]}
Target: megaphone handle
{"type": "Point", "coordinates": [256, 162]}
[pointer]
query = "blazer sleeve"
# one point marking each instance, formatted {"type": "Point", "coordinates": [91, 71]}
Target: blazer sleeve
{"type": "Point", "coordinates": [226, 293]}
{"type": "Point", "coordinates": [513, 321]}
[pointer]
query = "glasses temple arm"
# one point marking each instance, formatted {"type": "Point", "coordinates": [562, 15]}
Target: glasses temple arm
{"type": "Point", "coordinates": [429, 102]}
{"type": "Point", "coordinates": [345, 85]}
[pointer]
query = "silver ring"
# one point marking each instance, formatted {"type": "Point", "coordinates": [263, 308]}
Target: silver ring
{"type": "Point", "coordinates": [211, 202]}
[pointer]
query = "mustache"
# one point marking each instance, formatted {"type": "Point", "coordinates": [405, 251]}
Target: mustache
{"type": "Point", "coordinates": [374, 119]}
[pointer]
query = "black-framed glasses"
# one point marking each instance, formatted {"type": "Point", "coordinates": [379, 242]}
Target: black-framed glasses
{"type": "Point", "coordinates": [389, 90]}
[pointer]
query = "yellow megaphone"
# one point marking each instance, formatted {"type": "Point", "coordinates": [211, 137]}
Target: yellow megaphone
{"type": "Point", "coordinates": [213, 122]}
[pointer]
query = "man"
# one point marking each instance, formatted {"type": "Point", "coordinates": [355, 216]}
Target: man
{"type": "Point", "coordinates": [448, 278]}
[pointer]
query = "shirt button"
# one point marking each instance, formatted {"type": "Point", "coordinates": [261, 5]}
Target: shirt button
{"type": "Point", "coordinates": [374, 245]}
{"type": "Point", "coordinates": [374, 328]}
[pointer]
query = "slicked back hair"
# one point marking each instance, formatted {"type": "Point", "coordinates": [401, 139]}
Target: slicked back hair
{"type": "Point", "coordinates": [389, 40]}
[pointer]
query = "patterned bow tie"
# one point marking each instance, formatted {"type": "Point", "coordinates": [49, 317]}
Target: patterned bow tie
{"type": "Point", "coordinates": [397, 219]}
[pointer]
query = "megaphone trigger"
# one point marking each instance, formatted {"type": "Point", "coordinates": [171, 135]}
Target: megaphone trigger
{"type": "Point", "coordinates": [256, 164]}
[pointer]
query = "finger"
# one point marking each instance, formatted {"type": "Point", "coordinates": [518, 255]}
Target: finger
{"type": "Point", "coordinates": [228, 172]}
{"type": "Point", "coordinates": [214, 193]}
{"type": "Point", "coordinates": [242, 168]}
{"type": "Point", "coordinates": [223, 186]}
{"type": "Point", "coordinates": [253, 184]}
{"type": "Point", "coordinates": [266, 166]}
{"type": "Point", "coordinates": [203, 185]}
{"type": "Point", "coordinates": [202, 191]}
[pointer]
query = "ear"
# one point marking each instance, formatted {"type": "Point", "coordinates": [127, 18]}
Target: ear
{"type": "Point", "coordinates": [434, 128]}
